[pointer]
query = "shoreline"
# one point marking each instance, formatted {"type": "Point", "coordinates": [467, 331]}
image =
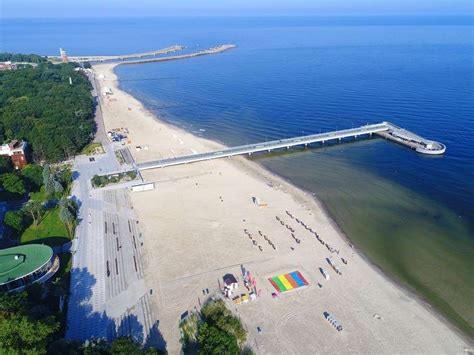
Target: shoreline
{"type": "Point", "coordinates": [298, 193]}
{"type": "Point", "coordinates": [261, 170]}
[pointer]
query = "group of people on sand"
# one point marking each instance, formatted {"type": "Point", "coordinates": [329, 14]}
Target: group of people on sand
{"type": "Point", "coordinates": [291, 229]}
{"type": "Point", "coordinates": [292, 233]}
{"type": "Point", "coordinates": [309, 229]}
{"type": "Point", "coordinates": [255, 243]}
{"type": "Point", "coordinates": [267, 239]}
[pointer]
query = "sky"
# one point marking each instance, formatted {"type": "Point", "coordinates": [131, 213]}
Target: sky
{"type": "Point", "coordinates": [140, 8]}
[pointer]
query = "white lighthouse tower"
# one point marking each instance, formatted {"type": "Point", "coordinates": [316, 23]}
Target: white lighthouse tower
{"type": "Point", "coordinates": [63, 55]}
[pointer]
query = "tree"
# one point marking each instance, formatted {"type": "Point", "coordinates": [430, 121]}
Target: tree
{"type": "Point", "coordinates": [31, 58]}
{"type": "Point", "coordinates": [35, 292]}
{"type": "Point", "coordinates": [12, 183]}
{"type": "Point", "coordinates": [217, 313]}
{"type": "Point", "coordinates": [219, 330]}
{"type": "Point", "coordinates": [14, 220]}
{"type": "Point", "coordinates": [35, 210]}
{"type": "Point", "coordinates": [33, 175]}
{"type": "Point", "coordinates": [39, 105]}
{"type": "Point", "coordinates": [67, 214]}
{"type": "Point", "coordinates": [125, 345]}
{"type": "Point", "coordinates": [96, 346]}
{"type": "Point", "coordinates": [64, 176]}
{"type": "Point", "coordinates": [6, 165]}
{"type": "Point", "coordinates": [48, 180]}
{"type": "Point", "coordinates": [63, 346]}
{"type": "Point", "coordinates": [213, 340]}
{"type": "Point", "coordinates": [58, 287]}
{"type": "Point", "coordinates": [153, 351]}
{"type": "Point", "coordinates": [13, 302]}
{"type": "Point", "coordinates": [21, 334]}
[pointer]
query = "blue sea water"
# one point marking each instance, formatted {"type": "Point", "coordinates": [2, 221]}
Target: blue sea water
{"type": "Point", "coordinates": [412, 215]}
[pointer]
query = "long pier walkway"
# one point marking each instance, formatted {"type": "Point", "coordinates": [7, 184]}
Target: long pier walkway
{"type": "Point", "coordinates": [213, 50]}
{"type": "Point", "coordinates": [147, 57]}
{"type": "Point", "coordinates": [384, 129]}
{"type": "Point", "coordinates": [107, 58]}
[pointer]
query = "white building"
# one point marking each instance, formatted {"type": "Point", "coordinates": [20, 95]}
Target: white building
{"type": "Point", "coordinates": [106, 91]}
{"type": "Point", "coordinates": [15, 150]}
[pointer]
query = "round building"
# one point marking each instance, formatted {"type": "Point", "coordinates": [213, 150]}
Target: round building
{"type": "Point", "coordinates": [26, 264]}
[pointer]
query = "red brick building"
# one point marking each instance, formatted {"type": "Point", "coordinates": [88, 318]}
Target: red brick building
{"type": "Point", "coordinates": [16, 151]}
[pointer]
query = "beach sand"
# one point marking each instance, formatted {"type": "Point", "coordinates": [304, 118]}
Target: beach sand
{"type": "Point", "coordinates": [194, 222]}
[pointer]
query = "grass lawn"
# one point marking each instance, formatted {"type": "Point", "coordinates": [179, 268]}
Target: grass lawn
{"type": "Point", "coordinates": [50, 231]}
{"type": "Point", "coordinates": [93, 148]}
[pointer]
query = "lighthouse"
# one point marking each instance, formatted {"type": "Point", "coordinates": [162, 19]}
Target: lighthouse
{"type": "Point", "coordinates": [63, 55]}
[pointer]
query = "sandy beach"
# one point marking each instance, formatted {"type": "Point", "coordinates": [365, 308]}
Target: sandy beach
{"type": "Point", "coordinates": [200, 223]}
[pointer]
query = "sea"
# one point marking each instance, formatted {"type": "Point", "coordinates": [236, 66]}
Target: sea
{"type": "Point", "coordinates": [411, 215]}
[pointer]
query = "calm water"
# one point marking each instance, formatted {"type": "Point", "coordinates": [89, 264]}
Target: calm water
{"type": "Point", "coordinates": [412, 215]}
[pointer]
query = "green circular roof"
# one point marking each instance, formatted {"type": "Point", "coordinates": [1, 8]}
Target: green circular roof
{"type": "Point", "coordinates": [20, 261]}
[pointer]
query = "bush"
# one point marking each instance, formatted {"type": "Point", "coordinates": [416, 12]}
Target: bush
{"type": "Point", "coordinates": [12, 183]}
{"type": "Point", "coordinates": [126, 346]}
{"type": "Point", "coordinates": [33, 176]}
{"type": "Point", "coordinates": [15, 220]}
{"type": "Point", "coordinates": [217, 331]}
{"type": "Point", "coordinates": [104, 180]}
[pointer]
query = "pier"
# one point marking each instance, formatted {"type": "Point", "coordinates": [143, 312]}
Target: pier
{"type": "Point", "coordinates": [213, 50]}
{"type": "Point", "coordinates": [108, 58]}
{"type": "Point", "coordinates": [146, 57]}
{"type": "Point", "coordinates": [385, 129]}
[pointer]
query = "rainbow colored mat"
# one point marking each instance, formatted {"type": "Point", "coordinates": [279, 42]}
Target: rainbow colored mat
{"type": "Point", "coordinates": [286, 282]}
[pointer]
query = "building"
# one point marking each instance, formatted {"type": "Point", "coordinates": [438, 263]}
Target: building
{"type": "Point", "coordinates": [63, 55]}
{"type": "Point", "coordinates": [7, 66]}
{"type": "Point", "coordinates": [106, 91]}
{"type": "Point", "coordinates": [230, 281]}
{"type": "Point", "coordinates": [26, 264]}
{"type": "Point", "coordinates": [16, 151]}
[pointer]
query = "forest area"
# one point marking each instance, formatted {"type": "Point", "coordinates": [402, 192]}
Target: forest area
{"type": "Point", "coordinates": [50, 106]}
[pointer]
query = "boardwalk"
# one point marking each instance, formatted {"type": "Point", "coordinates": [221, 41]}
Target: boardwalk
{"type": "Point", "coordinates": [393, 132]}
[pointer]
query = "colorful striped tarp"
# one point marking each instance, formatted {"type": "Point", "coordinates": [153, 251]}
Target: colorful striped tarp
{"type": "Point", "coordinates": [286, 282]}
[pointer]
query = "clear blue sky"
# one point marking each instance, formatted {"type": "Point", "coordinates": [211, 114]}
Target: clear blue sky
{"type": "Point", "coordinates": [127, 8]}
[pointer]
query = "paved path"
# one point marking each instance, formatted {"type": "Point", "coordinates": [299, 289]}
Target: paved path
{"type": "Point", "coordinates": [108, 296]}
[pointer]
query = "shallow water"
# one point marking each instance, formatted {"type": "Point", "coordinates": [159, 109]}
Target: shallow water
{"type": "Point", "coordinates": [412, 215]}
